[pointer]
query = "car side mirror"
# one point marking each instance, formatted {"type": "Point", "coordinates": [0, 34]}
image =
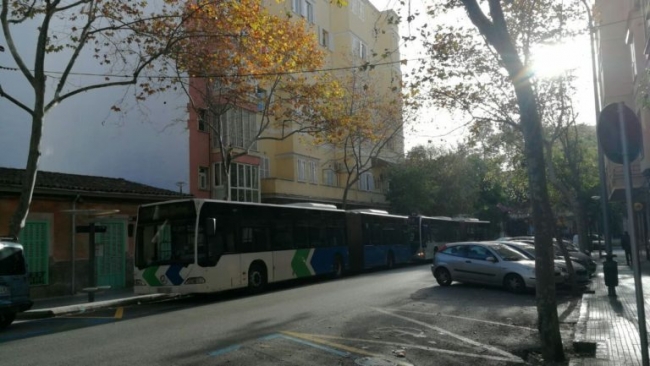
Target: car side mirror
{"type": "Point", "coordinates": [491, 259]}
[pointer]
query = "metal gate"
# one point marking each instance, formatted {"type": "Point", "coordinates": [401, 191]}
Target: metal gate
{"type": "Point", "coordinates": [35, 238]}
{"type": "Point", "coordinates": [110, 254]}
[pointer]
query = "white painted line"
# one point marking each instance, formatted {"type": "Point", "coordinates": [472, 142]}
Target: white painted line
{"type": "Point", "coordinates": [466, 318]}
{"type": "Point", "coordinates": [454, 335]}
{"type": "Point", "coordinates": [424, 348]}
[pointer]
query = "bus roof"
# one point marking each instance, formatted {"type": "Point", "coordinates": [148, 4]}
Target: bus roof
{"type": "Point", "coordinates": [199, 201]}
{"type": "Point", "coordinates": [312, 205]}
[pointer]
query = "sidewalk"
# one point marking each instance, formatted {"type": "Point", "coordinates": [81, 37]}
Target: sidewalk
{"type": "Point", "coordinates": [64, 305]}
{"type": "Point", "coordinates": [611, 324]}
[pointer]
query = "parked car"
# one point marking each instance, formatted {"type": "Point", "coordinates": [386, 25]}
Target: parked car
{"type": "Point", "coordinates": [576, 256]}
{"type": "Point", "coordinates": [488, 263]}
{"type": "Point", "coordinates": [14, 282]}
{"type": "Point", "coordinates": [582, 275]}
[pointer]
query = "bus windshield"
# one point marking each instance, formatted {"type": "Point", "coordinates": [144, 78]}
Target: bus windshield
{"type": "Point", "coordinates": [166, 235]}
{"type": "Point", "coordinates": [166, 243]}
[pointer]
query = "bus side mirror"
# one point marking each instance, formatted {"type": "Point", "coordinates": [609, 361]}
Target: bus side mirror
{"type": "Point", "coordinates": [210, 226]}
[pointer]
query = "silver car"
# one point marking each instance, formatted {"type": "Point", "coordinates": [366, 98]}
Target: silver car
{"type": "Point", "coordinates": [486, 263]}
{"type": "Point", "coordinates": [582, 276]}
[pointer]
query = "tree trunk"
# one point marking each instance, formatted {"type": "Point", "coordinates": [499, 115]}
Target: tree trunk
{"type": "Point", "coordinates": [548, 322]}
{"type": "Point", "coordinates": [29, 179]}
{"type": "Point", "coordinates": [584, 241]}
{"type": "Point", "coordinates": [496, 33]}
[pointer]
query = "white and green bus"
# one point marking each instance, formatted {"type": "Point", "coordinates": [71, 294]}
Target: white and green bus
{"type": "Point", "coordinates": [203, 246]}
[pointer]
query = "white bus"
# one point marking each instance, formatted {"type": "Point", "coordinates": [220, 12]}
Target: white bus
{"type": "Point", "coordinates": [203, 246]}
{"type": "Point", "coordinates": [430, 232]}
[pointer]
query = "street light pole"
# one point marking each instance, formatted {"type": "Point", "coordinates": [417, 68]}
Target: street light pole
{"type": "Point", "coordinates": [604, 205]}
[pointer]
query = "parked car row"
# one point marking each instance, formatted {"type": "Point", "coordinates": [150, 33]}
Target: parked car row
{"type": "Point", "coordinates": [506, 263]}
{"type": "Point", "coordinates": [584, 259]}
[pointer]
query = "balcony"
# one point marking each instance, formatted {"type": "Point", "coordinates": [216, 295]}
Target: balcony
{"type": "Point", "coordinates": [616, 179]}
{"type": "Point", "coordinates": [283, 190]}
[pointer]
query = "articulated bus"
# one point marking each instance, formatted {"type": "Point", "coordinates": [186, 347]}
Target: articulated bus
{"type": "Point", "coordinates": [431, 232]}
{"type": "Point", "coordinates": [203, 246]}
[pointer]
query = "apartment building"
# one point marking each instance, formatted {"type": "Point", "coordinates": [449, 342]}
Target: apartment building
{"type": "Point", "coordinates": [299, 168]}
{"type": "Point", "coordinates": [623, 55]}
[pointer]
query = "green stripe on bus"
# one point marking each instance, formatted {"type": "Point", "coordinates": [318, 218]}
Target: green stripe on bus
{"type": "Point", "coordinates": [299, 263]}
{"type": "Point", "coordinates": [149, 275]}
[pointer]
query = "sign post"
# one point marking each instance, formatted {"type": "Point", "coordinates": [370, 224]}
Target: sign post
{"type": "Point", "coordinates": [623, 125]}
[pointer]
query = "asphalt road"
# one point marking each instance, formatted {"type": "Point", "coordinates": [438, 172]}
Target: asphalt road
{"type": "Point", "coordinates": [396, 317]}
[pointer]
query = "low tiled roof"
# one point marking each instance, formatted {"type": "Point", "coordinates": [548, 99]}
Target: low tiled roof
{"type": "Point", "coordinates": [87, 183]}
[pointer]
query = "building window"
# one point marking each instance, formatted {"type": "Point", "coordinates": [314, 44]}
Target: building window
{"type": "Point", "coordinates": [329, 178]}
{"type": "Point", "coordinates": [359, 48]}
{"type": "Point", "coordinates": [302, 168]}
{"type": "Point", "coordinates": [265, 167]}
{"type": "Point", "coordinates": [366, 182]}
{"type": "Point", "coordinates": [324, 38]}
{"type": "Point", "coordinates": [244, 182]}
{"type": "Point", "coordinates": [203, 177]}
{"type": "Point", "coordinates": [307, 171]}
{"type": "Point", "coordinates": [304, 8]}
{"type": "Point", "coordinates": [358, 8]}
{"type": "Point", "coordinates": [238, 128]}
{"type": "Point", "coordinates": [313, 172]}
{"type": "Point", "coordinates": [202, 119]}
{"type": "Point", "coordinates": [633, 57]}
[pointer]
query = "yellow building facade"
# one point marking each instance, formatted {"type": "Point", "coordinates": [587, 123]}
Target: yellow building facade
{"type": "Point", "coordinates": [299, 168]}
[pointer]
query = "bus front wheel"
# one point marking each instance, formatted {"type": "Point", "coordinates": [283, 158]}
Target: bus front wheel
{"type": "Point", "coordinates": [256, 277]}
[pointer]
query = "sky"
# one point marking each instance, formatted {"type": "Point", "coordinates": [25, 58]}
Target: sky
{"type": "Point", "coordinates": [440, 128]}
{"type": "Point", "coordinates": [149, 144]}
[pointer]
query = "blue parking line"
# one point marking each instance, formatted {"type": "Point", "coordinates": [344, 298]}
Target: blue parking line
{"type": "Point", "coordinates": [222, 351]}
{"type": "Point", "coordinates": [269, 337]}
{"type": "Point", "coordinates": [314, 345]}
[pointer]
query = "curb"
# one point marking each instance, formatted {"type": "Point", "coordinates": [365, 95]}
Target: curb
{"type": "Point", "coordinates": [81, 308]}
{"type": "Point", "coordinates": [580, 343]}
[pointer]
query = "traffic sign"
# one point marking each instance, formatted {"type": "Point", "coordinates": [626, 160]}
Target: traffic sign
{"type": "Point", "coordinates": [609, 132]}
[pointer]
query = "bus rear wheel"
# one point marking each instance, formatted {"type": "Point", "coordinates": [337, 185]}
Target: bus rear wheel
{"type": "Point", "coordinates": [390, 261]}
{"type": "Point", "coordinates": [6, 319]}
{"type": "Point", "coordinates": [256, 277]}
{"type": "Point", "coordinates": [338, 267]}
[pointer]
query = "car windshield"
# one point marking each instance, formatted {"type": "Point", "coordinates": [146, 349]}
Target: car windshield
{"type": "Point", "coordinates": [508, 254]}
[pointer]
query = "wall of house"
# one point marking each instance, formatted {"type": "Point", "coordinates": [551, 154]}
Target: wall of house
{"type": "Point", "coordinates": [52, 210]}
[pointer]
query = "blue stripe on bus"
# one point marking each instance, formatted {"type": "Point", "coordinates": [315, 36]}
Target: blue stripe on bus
{"type": "Point", "coordinates": [174, 275]}
{"type": "Point", "coordinates": [322, 261]}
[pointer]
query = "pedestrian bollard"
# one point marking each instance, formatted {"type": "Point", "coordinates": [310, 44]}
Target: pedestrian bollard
{"type": "Point", "coordinates": [610, 269]}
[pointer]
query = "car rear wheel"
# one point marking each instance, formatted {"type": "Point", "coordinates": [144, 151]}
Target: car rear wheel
{"type": "Point", "coordinates": [443, 277]}
{"type": "Point", "coordinates": [514, 283]}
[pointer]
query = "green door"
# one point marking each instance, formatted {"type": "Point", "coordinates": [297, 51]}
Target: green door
{"type": "Point", "coordinates": [110, 254]}
{"type": "Point", "coordinates": [35, 238]}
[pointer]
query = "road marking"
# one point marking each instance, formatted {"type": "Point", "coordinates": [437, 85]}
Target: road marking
{"type": "Point", "coordinates": [316, 338]}
{"type": "Point", "coordinates": [454, 335]}
{"type": "Point", "coordinates": [466, 318]}
{"type": "Point", "coordinates": [424, 348]}
{"type": "Point", "coordinates": [119, 312]}
{"type": "Point", "coordinates": [222, 351]}
{"type": "Point", "coordinates": [307, 343]}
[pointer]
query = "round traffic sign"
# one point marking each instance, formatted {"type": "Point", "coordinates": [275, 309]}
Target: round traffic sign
{"type": "Point", "coordinates": [609, 132]}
